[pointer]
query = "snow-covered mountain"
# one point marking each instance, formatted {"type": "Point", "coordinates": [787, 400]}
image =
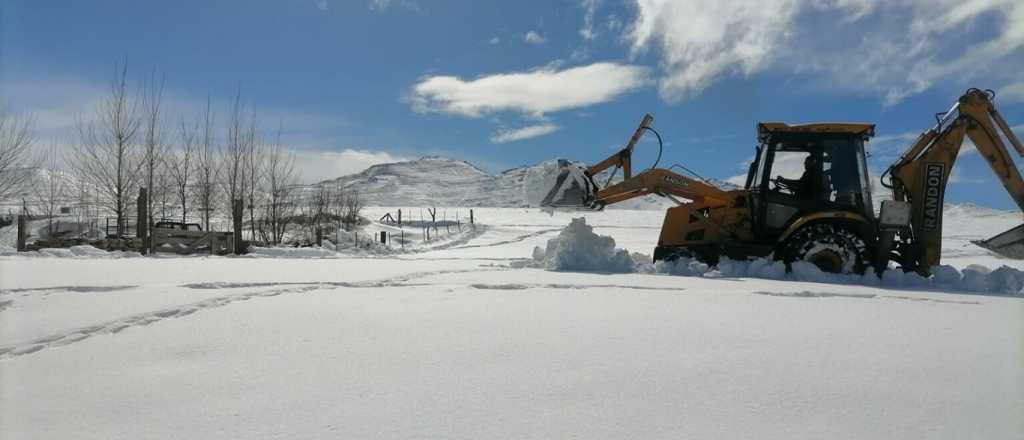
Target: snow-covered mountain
{"type": "Point", "coordinates": [449, 182]}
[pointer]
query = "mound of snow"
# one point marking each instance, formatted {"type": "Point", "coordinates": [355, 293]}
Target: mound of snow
{"type": "Point", "coordinates": [291, 252]}
{"type": "Point", "coordinates": [83, 251]}
{"type": "Point", "coordinates": [578, 248]}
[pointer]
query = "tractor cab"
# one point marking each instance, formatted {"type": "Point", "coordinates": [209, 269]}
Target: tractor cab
{"type": "Point", "coordinates": [801, 170]}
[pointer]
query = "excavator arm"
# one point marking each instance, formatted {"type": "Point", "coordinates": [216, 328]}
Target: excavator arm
{"type": "Point", "coordinates": [920, 175]}
{"type": "Point", "coordinates": [575, 186]}
{"type": "Point", "coordinates": [661, 182]}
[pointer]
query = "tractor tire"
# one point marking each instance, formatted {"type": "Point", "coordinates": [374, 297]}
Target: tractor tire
{"type": "Point", "coordinates": [832, 248]}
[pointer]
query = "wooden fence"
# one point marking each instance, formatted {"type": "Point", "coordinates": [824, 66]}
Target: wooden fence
{"type": "Point", "coordinates": [189, 242]}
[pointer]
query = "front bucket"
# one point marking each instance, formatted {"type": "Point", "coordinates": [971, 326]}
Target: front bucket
{"type": "Point", "coordinates": [572, 188]}
{"type": "Point", "coordinates": [1009, 244]}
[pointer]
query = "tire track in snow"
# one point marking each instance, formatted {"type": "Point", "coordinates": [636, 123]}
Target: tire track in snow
{"type": "Point", "coordinates": [510, 241]}
{"type": "Point", "coordinates": [144, 319]}
{"type": "Point", "coordinates": [810, 294]}
{"type": "Point", "coordinates": [521, 286]}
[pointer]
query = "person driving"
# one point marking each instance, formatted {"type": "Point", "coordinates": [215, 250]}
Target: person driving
{"type": "Point", "coordinates": [804, 187]}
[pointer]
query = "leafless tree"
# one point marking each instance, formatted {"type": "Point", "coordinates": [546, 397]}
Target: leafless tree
{"type": "Point", "coordinates": [206, 170]}
{"type": "Point", "coordinates": [353, 205]}
{"type": "Point", "coordinates": [16, 162]}
{"type": "Point", "coordinates": [316, 210]}
{"type": "Point", "coordinates": [153, 146]}
{"type": "Point", "coordinates": [254, 162]}
{"type": "Point", "coordinates": [51, 186]}
{"type": "Point", "coordinates": [106, 156]}
{"type": "Point", "coordinates": [164, 184]}
{"type": "Point", "coordinates": [279, 181]}
{"type": "Point", "coordinates": [180, 165]}
{"type": "Point", "coordinates": [234, 154]}
{"type": "Point", "coordinates": [337, 212]}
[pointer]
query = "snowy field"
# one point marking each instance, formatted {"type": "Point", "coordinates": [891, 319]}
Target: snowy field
{"type": "Point", "coordinates": [458, 340]}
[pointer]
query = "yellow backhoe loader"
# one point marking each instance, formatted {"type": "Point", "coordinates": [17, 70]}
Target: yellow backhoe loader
{"type": "Point", "coordinates": [808, 194]}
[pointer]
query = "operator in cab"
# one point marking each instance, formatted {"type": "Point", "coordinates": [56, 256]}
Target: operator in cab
{"type": "Point", "coordinates": [806, 186]}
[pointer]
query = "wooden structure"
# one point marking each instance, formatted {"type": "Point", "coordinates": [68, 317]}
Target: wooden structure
{"type": "Point", "coordinates": [22, 232]}
{"type": "Point", "coordinates": [188, 242]}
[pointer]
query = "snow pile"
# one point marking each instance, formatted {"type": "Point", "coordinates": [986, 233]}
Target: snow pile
{"type": "Point", "coordinates": [578, 248]}
{"type": "Point", "coordinates": [291, 252]}
{"type": "Point", "coordinates": [83, 251]}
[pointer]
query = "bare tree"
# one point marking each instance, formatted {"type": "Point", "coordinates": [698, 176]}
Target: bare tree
{"type": "Point", "coordinates": [164, 184]}
{"type": "Point", "coordinates": [180, 166]}
{"type": "Point", "coordinates": [106, 156]}
{"type": "Point", "coordinates": [316, 210]}
{"type": "Point", "coordinates": [153, 146]}
{"type": "Point", "coordinates": [337, 212]}
{"type": "Point", "coordinates": [206, 169]}
{"type": "Point", "coordinates": [254, 162]}
{"type": "Point", "coordinates": [15, 159]}
{"type": "Point", "coordinates": [51, 187]}
{"type": "Point", "coordinates": [352, 207]}
{"type": "Point", "coordinates": [279, 181]}
{"type": "Point", "coordinates": [234, 154]}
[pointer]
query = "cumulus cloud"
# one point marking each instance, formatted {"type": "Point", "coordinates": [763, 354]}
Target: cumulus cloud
{"type": "Point", "coordinates": [534, 38]}
{"type": "Point", "coordinates": [532, 93]}
{"type": "Point", "coordinates": [704, 39]}
{"type": "Point", "coordinates": [589, 9]}
{"type": "Point", "coordinates": [896, 49]}
{"type": "Point", "coordinates": [316, 166]}
{"type": "Point", "coordinates": [532, 131]}
{"type": "Point", "coordinates": [1012, 93]}
{"type": "Point", "coordinates": [494, 40]}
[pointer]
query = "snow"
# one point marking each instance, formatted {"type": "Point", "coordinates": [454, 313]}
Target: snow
{"type": "Point", "coordinates": [578, 248]}
{"type": "Point", "coordinates": [461, 338]}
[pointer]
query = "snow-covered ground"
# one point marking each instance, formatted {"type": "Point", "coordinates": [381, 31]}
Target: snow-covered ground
{"type": "Point", "coordinates": [457, 339]}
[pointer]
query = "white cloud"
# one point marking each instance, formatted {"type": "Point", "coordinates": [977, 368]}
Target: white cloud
{"type": "Point", "coordinates": [316, 166]}
{"type": "Point", "coordinates": [614, 23]}
{"type": "Point", "coordinates": [532, 131]}
{"type": "Point", "coordinates": [589, 9]}
{"type": "Point", "coordinates": [322, 5]}
{"type": "Point", "coordinates": [534, 38]}
{"type": "Point", "coordinates": [494, 40]}
{"type": "Point", "coordinates": [380, 5]}
{"type": "Point", "coordinates": [533, 93]}
{"type": "Point", "coordinates": [702, 40]}
{"type": "Point", "coordinates": [896, 49]}
{"type": "Point", "coordinates": [1012, 93]}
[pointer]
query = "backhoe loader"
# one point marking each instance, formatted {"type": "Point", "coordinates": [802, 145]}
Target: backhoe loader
{"type": "Point", "coordinates": [825, 216]}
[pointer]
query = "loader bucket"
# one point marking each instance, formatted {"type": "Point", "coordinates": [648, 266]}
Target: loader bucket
{"type": "Point", "coordinates": [1009, 244]}
{"type": "Point", "coordinates": [571, 188]}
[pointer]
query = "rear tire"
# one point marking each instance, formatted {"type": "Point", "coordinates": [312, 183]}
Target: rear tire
{"type": "Point", "coordinates": [832, 248]}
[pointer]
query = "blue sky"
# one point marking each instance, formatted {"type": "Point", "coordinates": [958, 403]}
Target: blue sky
{"type": "Point", "coordinates": [504, 84]}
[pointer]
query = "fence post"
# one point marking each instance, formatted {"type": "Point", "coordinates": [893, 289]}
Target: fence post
{"type": "Point", "coordinates": [470, 216]}
{"type": "Point", "coordinates": [236, 216]}
{"type": "Point", "coordinates": [142, 222]}
{"type": "Point", "coordinates": [22, 232]}
{"type": "Point", "coordinates": [399, 217]}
